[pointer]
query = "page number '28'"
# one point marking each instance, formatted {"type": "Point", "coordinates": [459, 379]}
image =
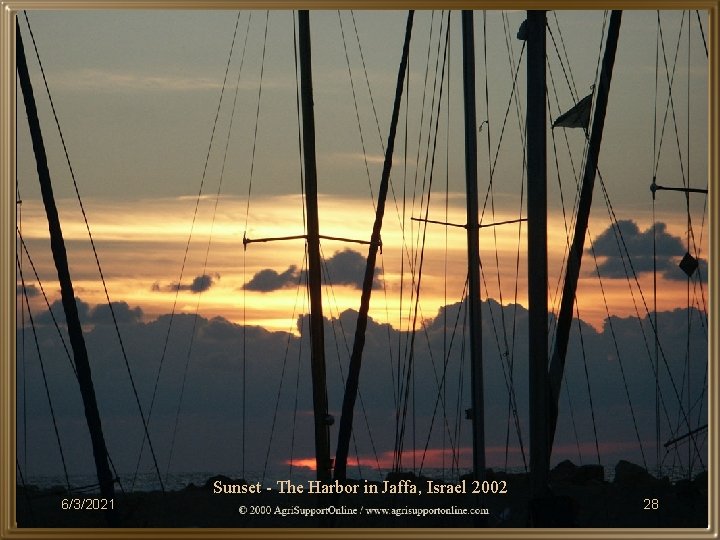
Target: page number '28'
{"type": "Point", "coordinates": [651, 504]}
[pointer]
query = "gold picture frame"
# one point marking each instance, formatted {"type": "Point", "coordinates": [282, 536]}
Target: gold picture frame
{"type": "Point", "coordinates": [9, 100]}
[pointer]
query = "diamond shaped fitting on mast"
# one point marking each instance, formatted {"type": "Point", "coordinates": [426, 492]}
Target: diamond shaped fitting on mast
{"type": "Point", "coordinates": [688, 264]}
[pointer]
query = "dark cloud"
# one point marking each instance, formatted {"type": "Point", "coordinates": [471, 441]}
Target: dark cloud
{"type": "Point", "coordinates": [639, 243]}
{"type": "Point", "coordinates": [101, 314]}
{"type": "Point", "coordinates": [30, 289]}
{"type": "Point", "coordinates": [669, 251]}
{"type": "Point", "coordinates": [676, 274]}
{"type": "Point", "coordinates": [98, 314]}
{"type": "Point", "coordinates": [224, 355]}
{"type": "Point", "coordinates": [57, 310]}
{"type": "Point", "coordinates": [199, 284]}
{"type": "Point", "coordinates": [345, 267]}
{"type": "Point", "coordinates": [268, 280]}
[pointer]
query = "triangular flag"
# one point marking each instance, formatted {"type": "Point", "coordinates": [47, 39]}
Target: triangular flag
{"type": "Point", "coordinates": [578, 116]}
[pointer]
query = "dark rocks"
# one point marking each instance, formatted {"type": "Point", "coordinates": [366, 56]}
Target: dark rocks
{"type": "Point", "coordinates": [566, 472]}
{"type": "Point", "coordinates": [396, 476]}
{"type": "Point", "coordinates": [224, 480]}
{"type": "Point", "coordinates": [553, 511]}
{"type": "Point", "coordinates": [687, 490]}
{"type": "Point", "coordinates": [514, 479]}
{"type": "Point", "coordinates": [632, 475]}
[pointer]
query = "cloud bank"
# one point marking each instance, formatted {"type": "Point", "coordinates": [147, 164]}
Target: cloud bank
{"type": "Point", "coordinates": [227, 373]}
{"type": "Point", "coordinates": [611, 244]}
{"type": "Point", "coordinates": [346, 267]}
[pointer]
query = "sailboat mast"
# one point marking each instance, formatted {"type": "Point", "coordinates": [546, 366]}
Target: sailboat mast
{"type": "Point", "coordinates": [537, 251]}
{"type": "Point", "coordinates": [320, 401]}
{"type": "Point", "coordinates": [557, 365]}
{"type": "Point", "coordinates": [57, 245]}
{"type": "Point", "coordinates": [353, 379]}
{"type": "Point", "coordinates": [473, 228]}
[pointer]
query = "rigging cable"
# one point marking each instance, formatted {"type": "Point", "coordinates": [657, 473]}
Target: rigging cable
{"type": "Point", "coordinates": [330, 293]}
{"type": "Point", "coordinates": [619, 358]}
{"type": "Point", "coordinates": [47, 302]}
{"type": "Point", "coordinates": [282, 376]}
{"type": "Point", "coordinates": [207, 254]}
{"type": "Point", "coordinates": [60, 336]}
{"type": "Point", "coordinates": [511, 391]}
{"type": "Point", "coordinates": [567, 248]}
{"type": "Point", "coordinates": [702, 32]}
{"type": "Point", "coordinates": [401, 367]}
{"type": "Point", "coordinates": [518, 110]}
{"type": "Point", "coordinates": [409, 371]}
{"type": "Point", "coordinates": [304, 221]}
{"type": "Point", "coordinates": [622, 245]}
{"type": "Point", "coordinates": [454, 444]}
{"type": "Point", "coordinates": [44, 376]}
{"type": "Point", "coordinates": [19, 221]}
{"type": "Point", "coordinates": [618, 232]}
{"type": "Point", "coordinates": [445, 269]}
{"type": "Point", "coordinates": [367, 169]}
{"type": "Point", "coordinates": [247, 216]}
{"type": "Point", "coordinates": [97, 260]}
{"type": "Point", "coordinates": [654, 219]}
{"type": "Point", "coordinates": [357, 112]}
{"type": "Point", "coordinates": [504, 354]}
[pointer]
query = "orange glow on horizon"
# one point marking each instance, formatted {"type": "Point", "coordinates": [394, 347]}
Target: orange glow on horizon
{"type": "Point", "coordinates": [141, 246]}
{"type": "Point", "coordinates": [438, 458]}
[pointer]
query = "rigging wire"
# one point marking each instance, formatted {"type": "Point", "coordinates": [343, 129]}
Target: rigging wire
{"type": "Point", "coordinates": [330, 293]}
{"type": "Point", "coordinates": [518, 110]}
{"type": "Point", "coordinates": [619, 358]}
{"type": "Point", "coordinates": [576, 173]}
{"type": "Point", "coordinates": [445, 264]}
{"type": "Point", "coordinates": [587, 382]}
{"type": "Point", "coordinates": [257, 118]}
{"type": "Point", "coordinates": [304, 220]}
{"type": "Point", "coordinates": [97, 260]}
{"type": "Point", "coordinates": [567, 243]}
{"type": "Point", "coordinates": [488, 193]}
{"type": "Point", "coordinates": [362, 140]}
{"type": "Point", "coordinates": [401, 366]}
{"type": "Point", "coordinates": [567, 57]}
{"type": "Point", "coordinates": [282, 376]}
{"type": "Point", "coordinates": [297, 381]}
{"type": "Point", "coordinates": [502, 133]}
{"type": "Point", "coordinates": [504, 354]}
{"type": "Point", "coordinates": [19, 222]}
{"type": "Point", "coordinates": [413, 329]}
{"type": "Point", "coordinates": [44, 375]}
{"type": "Point", "coordinates": [47, 302]}
{"type": "Point", "coordinates": [247, 216]}
{"type": "Point", "coordinates": [622, 246]}
{"type": "Point", "coordinates": [207, 252]}
{"type": "Point", "coordinates": [702, 32]}
{"type": "Point", "coordinates": [658, 432]}
{"type": "Point", "coordinates": [619, 232]}
{"type": "Point", "coordinates": [454, 443]}
{"type": "Point", "coordinates": [669, 105]}
{"type": "Point", "coordinates": [357, 112]}
{"type": "Point", "coordinates": [60, 335]}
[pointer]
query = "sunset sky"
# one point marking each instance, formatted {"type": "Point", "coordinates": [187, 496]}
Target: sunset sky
{"type": "Point", "coordinates": [137, 93]}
